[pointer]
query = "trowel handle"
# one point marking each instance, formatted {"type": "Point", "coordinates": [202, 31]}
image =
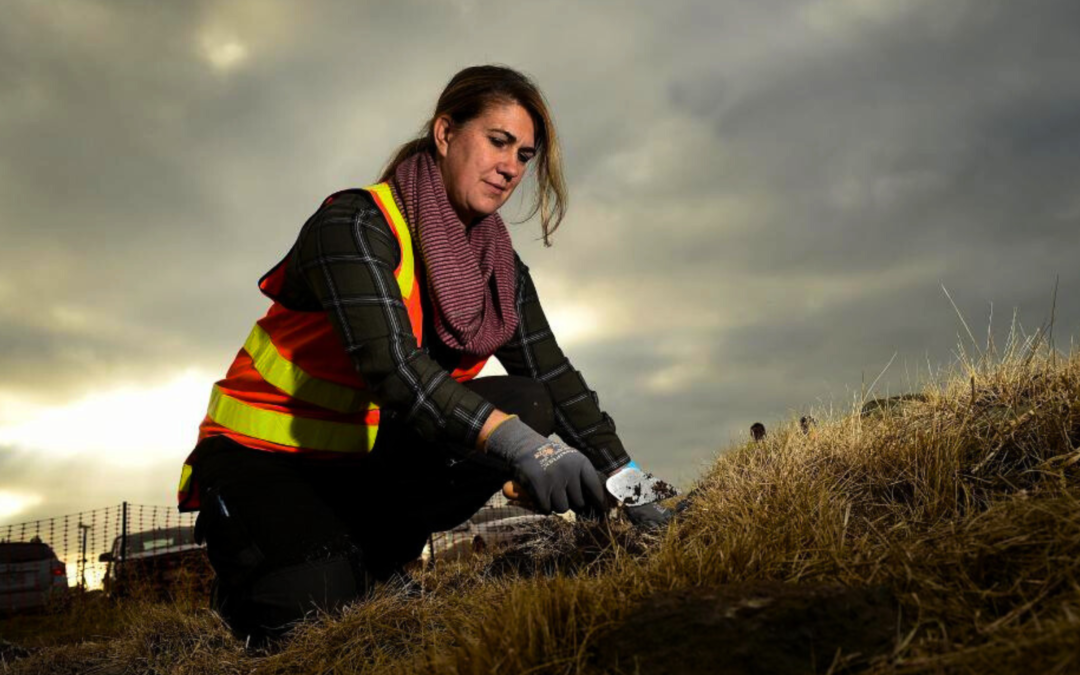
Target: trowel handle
{"type": "Point", "coordinates": [514, 492]}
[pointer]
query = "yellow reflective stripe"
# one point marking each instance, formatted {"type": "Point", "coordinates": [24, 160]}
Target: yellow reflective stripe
{"type": "Point", "coordinates": [296, 382]}
{"type": "Point", "coordinates": [185, 480]}
{"type": "Point", "coordinates": [283, 429]}
{"type": "Point", "coordinates": [397, 221]}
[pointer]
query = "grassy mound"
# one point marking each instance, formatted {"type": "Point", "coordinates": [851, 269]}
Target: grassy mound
{"type": "Point", "coordinates": [959, 507]}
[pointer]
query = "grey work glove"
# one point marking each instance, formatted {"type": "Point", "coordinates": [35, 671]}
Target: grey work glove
{"type": "Point", "coordinates": [555, 476]}
{"type": "Point", "coordinates": [649, 516]}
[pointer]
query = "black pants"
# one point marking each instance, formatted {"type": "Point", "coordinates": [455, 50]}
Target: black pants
{"type": "Point", "coordinates": [286, 534]}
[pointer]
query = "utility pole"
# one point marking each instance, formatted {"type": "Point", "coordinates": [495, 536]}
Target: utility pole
{"type": "Point", "coordinates": [83, 529]}
{"type": "Point", "coordinates": [123, 534]}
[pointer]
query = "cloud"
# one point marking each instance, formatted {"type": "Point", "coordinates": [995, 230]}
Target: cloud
{"type": "Point", "coordinates": [764, 201]}
{"type": "Point", "coordinates": [46, 486]}
{"type": "Point", "coordinates": [14, 502]}
{"type": "Point", "coordinates": [224, 53]}
{"type": "Point", "coordinates": [128, 425]}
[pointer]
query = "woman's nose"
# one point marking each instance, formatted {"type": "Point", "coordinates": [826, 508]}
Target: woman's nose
{"type": "Point", "coordinates": [508, 169]}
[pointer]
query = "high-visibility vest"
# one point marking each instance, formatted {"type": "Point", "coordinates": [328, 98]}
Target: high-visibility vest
{"type": "Point", "coordinates": [293, 388]}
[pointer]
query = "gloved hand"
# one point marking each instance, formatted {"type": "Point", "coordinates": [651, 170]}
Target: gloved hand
{"type": "Point", "coordinates": [555, 476]}
{"type": "Point", "coordinates": [649, 516]}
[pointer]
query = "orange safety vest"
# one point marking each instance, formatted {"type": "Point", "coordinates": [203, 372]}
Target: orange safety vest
{"type": "Point", "coordinates": [293, 388]}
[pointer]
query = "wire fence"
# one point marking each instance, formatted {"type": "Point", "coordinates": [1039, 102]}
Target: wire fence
{"type": "Point", "coordinates": [95, 546]}
{"type": "Point", "coordinates": [80, 539]}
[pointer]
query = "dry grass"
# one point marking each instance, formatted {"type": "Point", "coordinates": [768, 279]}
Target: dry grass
{"type": "Point", "coordinates": [964, 505]}
{"type": "Point", "coordinates": [80, 617]}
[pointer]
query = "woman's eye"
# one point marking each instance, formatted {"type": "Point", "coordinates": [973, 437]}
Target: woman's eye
{"type": "Point", "coordinates": [497, 142]}
{"type": "Point", "coordinates": [524, 157]}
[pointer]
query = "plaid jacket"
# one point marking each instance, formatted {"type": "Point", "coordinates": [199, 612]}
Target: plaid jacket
{"type": "Point", "coordinates": [343, 262]}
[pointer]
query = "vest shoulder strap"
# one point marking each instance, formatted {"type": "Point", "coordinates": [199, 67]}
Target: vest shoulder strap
{"type": "Point", "coordinates": [405, 273]}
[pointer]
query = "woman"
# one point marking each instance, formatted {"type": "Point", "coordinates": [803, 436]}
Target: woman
{"type": "Point", "coordinates": [350, 427]}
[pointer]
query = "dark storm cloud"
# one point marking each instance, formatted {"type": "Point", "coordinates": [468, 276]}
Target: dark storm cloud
{"type": "Point", "coordinates": [144, 186]}
{"type": "Point", "coordinates": [764, 200]}
{"type": "Point", "coordinates": [931, 131]}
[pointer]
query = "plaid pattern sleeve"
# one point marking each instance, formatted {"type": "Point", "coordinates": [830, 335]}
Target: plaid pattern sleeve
{"type": "Point", "coordinates": [344, 262]}
{"type": "Point", "coordinates": [534, 352]}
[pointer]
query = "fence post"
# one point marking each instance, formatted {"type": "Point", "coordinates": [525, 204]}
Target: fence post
{"type": "Point", "coordinates": [123, 533]}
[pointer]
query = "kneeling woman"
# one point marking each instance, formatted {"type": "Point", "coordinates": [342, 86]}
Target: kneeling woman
{"type": "Point", "coordinates": [349, 427]}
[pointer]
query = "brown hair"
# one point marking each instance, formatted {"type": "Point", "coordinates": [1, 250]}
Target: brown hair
{"type": "Point", "coordinates": [468, 94]}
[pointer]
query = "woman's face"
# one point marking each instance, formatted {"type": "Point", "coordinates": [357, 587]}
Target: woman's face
{"type": "Point", "coordinates": [483, 160]}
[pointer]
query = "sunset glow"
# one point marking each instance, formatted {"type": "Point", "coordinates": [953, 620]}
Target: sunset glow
{"type": "Point", "coordinates": [13, 502]}
{"type": "Point", "coordinates": [124, 425]}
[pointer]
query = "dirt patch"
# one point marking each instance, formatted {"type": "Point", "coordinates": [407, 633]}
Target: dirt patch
{"type": "Point", "coordinates": [750, 629]}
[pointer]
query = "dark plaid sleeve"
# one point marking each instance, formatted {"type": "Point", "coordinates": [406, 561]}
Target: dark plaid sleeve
{"type": "Point", "coordinates": [534, 352]}
{"type": "Point", "coordinates": [346, 255]}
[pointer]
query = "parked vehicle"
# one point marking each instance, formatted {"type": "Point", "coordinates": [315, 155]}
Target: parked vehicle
{"type": "Point", "coordinates": [506, 531]}
{"type": "Point", "coordinates": [31, 576]}
{"type": "Point", "coordinates": [157, 562]}
{"type": "Point", "coordinates": [489, 527]}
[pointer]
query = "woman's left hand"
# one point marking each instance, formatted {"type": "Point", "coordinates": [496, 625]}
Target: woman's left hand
{"type": "Point", "coordinates": [649, 516]}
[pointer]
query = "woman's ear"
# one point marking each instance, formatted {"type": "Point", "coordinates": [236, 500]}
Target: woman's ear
{"type": "Point", "coordinates": [443, 131]}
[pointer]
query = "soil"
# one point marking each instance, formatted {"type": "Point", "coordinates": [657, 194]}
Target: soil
{"type": "Point", "coordinates": [750, 629]}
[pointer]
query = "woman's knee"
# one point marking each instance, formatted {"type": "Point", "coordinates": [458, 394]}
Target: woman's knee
{"type": "Point", "coordinates": [274, 601]}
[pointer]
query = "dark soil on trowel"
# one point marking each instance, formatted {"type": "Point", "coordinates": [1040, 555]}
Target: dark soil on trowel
{"type": "Point", "coordinates": [772, 629]}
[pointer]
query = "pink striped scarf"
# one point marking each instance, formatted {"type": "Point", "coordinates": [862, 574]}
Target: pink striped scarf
{"type": "Point", "coordinates": [471, 276]}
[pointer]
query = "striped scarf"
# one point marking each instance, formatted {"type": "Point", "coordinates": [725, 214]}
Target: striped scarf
{"type": "Point", "coordinates": [471, 275]}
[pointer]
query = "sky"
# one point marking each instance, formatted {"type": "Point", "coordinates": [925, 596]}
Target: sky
{"type": "Point", "coordinates": [766, 202]}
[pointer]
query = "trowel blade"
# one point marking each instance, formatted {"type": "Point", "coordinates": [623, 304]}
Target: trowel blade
{"type": "Point", "coordinates": [634, 487]}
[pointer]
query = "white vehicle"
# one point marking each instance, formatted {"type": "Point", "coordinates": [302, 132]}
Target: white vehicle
{"type": "Point", "coordinates": [506, 531]}
{"type": "Point", "coordinates": [30, 576]}
{"type": "Point", "coordinates": [490, 527]}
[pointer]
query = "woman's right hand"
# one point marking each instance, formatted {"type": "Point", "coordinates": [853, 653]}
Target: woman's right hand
{"type": "Point", "coordinates": [555, 476]}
